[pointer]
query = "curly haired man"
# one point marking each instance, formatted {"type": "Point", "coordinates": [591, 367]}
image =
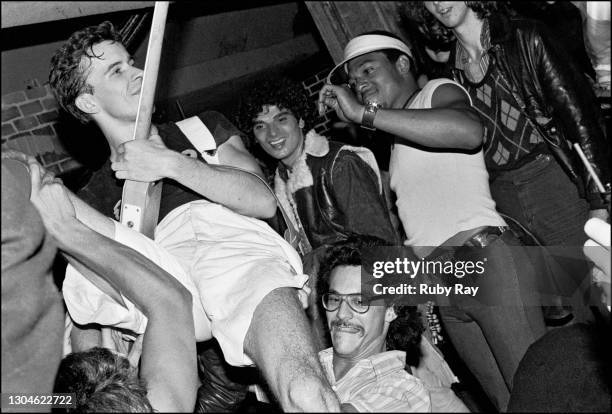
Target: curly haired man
{"type": "Point", "coordinates": [328, 189]}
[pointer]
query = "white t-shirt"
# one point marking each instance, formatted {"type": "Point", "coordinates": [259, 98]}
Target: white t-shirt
{"type": "Point", "coordinates": [440, 194]}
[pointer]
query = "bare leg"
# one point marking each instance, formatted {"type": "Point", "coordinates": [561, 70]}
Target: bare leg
{"type": "Point", "coordinates": [280, 343]}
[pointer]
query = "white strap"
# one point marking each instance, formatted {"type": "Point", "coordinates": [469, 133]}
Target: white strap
{"type": "Point", "coordinates": [200, 137]}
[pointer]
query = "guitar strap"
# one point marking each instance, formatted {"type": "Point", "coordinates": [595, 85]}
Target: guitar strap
{"type": "Point", "coordinates": [200, 137]}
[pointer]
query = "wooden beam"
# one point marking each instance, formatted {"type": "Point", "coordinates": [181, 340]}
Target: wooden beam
{"type": "Point", "coordinates": [19, 13]}
{"type": "Point", "coordinates": [340, 21]}
{"type": "Point", "coordinates": [185, 80]}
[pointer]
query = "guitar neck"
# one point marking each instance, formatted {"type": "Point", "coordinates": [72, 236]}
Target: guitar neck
{"type": "Point", "coordinates": [140, 201]}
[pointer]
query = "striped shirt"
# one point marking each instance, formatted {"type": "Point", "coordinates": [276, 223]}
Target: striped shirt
{"type": "Point", "coordinates": [378, 384]}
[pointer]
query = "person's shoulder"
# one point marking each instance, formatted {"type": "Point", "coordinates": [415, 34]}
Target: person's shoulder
{"type": "Point", "coordinates": [348, 153]}
{"type": "Point", "coordinates": [434, 84]}
{"type": "Point", "coordinates": [526, 26]}
{"type": "Point", "coordinates": [211, 117]}
{"type": "Point", "coordinates": [15, 174]}
{"type": "Point", "coordinates": [352, 158]}
{"type": "Point", "coordinates": [443, 90]}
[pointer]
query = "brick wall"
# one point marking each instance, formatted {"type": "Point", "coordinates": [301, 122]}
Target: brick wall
{"type": "Point", "coordinates": [28, 125]}
{"type": "Point", "coordinates": [313, 85]}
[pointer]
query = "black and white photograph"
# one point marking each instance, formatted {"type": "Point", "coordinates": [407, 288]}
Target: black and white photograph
{"type": "Point", "coordinates": [324, 206]}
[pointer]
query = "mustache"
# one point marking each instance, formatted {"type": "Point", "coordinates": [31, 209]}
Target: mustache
{"type": "Point", "coordinates": [344, 324]}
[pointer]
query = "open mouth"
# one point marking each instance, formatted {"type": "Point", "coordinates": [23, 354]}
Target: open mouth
{"type": "Point", "coordinates": [444, 12]}
{"type": "Point", "coordinates": [277, 143]}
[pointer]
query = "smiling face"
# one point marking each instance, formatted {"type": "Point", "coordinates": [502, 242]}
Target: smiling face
{"type": "Point", "coordinates": [116, 83]}
{"type": "Point", "coordinates": [356, 335]}
{"type": "Point", "coordinates": [279, 133]}
{"type": "Point", "coordinates": [374, 78]}
{"type": "Point", "coordinates": [450, 13]}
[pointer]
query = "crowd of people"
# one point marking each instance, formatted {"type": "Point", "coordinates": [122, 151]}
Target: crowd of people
{"type": "Point", "coordinates": [266, 270]}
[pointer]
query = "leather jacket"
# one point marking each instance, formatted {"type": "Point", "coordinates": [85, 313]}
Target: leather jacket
{"type": "Point", "coordinates": [322, 216]}
{"type": "Point", "coordinates": [553, 94]}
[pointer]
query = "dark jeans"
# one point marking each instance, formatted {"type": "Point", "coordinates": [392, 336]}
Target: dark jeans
{"type": "Point", "coordinates": [491, 335]}
{"type": "Point", "coordinates": [542, 198]}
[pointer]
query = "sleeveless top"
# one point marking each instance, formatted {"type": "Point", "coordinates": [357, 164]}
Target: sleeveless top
{"type": "Point", "coordinates": [439, 194]}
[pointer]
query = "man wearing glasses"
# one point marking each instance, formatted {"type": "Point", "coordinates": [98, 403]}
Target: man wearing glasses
{"type": "Point", "coordinates": [377, 345]}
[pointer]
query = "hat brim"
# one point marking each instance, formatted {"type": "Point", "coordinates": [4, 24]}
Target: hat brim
{"type": "Point", "coordinates": [371, 43]}
{"type": "Point", "coordinates": [335, 76]}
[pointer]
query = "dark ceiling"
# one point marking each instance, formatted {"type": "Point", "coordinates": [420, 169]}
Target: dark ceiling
{"type": "Point", "coordinates": [47, 32]}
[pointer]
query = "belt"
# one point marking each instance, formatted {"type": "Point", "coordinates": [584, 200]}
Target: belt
{"type": "Point", "coordinates": [484, 237]}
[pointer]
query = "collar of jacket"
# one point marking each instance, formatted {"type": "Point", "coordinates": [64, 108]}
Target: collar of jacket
{"type": "Point", "coordinates": [299, 176]}
{"type": "Point", "coordinates": [499, 32]}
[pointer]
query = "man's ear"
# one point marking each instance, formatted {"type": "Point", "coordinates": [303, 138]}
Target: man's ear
{"type": "Point", "coordinates": [390, 314]}
{"type": "Point", "coordinates": [301, 123]}
{"type": "Point", "coordinates": [403, 64]}
{"type": "Point", "coordinates": [86, 103]}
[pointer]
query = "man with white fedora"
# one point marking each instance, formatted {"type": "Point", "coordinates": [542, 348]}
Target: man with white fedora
{"type": "Point", "coordinates": [439, 177]}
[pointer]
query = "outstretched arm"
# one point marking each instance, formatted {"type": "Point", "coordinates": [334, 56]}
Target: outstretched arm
{"type": "Point", "coordinates": [169, 353]}
{"type": "Point", "coordinates": [451, 123]}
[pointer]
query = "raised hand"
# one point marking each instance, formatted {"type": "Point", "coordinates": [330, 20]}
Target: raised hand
{"type": "Point", "coordinates": [341, 99]}
{"type": "Point", "coordinates": [143, 160]}
{"type": "Point", "coordinates": [51, 199]}
{"type": "Point", "coordinates": [46, 176]}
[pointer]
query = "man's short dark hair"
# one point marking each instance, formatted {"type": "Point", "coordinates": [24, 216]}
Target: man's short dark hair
{"type": "Point", "coordinates": [67, 73]}
{"type": "Point", "coordinates": [101, 382]}
{"type": "Point", "coordinates": [283, 92]}
{"type": "Point", "coordinates": [405, 331]}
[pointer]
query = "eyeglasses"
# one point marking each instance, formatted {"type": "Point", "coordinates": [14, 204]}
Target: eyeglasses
{"type": "Point", "coordinates": [333, 301]}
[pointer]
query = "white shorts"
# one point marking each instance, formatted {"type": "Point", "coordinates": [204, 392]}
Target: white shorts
{"type": "Point", "coordinates": [227, 261]}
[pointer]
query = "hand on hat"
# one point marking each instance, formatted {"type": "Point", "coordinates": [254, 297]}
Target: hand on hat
{"type": "Point", "coordinates": [341, 99]}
